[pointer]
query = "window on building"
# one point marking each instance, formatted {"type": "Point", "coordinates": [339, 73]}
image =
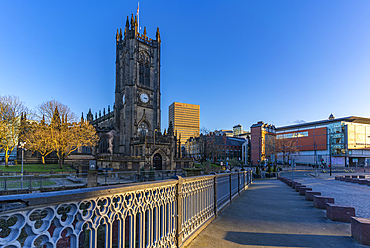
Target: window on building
{"type": "Point", "coordinates": [144, 70]}
{"type": "Point", "coordinates": [143, 129]}
{"type": "Point", "coordinates": [292, 135]}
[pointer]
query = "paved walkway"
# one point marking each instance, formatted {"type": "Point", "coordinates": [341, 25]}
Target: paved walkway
{"type": "Point", "coordinates": [271, 214]}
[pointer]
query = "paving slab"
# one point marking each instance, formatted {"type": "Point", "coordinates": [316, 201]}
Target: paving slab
{"type": "Point", "coordinates": [271, 214]}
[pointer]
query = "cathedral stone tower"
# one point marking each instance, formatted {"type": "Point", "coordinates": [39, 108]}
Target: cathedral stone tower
{"type": "Point", "coordinates": [130, 135]}
{"type": "Point", "coordinates": [137, 110]}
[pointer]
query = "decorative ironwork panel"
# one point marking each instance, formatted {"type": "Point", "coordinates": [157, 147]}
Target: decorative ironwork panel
{"type": "Point", "coordinates": [145, 216]}
{"type": "Point", "coordinates": [159, 214]}
{"type": "Point", "coordinates": [223, 191]}
{"type": "Point", "coordinates": [234, 185]}
{"type": "Point", "coordinates": [198, 204]}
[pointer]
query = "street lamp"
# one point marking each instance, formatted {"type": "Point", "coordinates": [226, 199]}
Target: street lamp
{"type": "Point", "coordinates": [154, 136]}
{"type": "Point", "coordinates": [21, 145]}
{"type": "Point", "coordinates": [154, 143]}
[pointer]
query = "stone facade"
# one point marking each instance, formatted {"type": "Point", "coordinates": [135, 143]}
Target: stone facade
{"type": "Point", "coordinates": [131, 135]}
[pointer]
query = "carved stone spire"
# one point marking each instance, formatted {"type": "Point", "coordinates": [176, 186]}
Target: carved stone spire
{"type": "Point", "coordinates": [170, 129]}
{"type": "Point", "coordinates": [179, 152]}
{"type": "Point", "coordinates": [89, 116]}
{"type": "Point", "coordinates": [144, 32]}
{"type": "Point", "coordinates": [158, 36]}
{"type": "Point", "coordinates": [132, 21]}
{"type": "Point", "coordinates": [117, 35]}
{"type": "Point", "coordinates": [136, 26]}
{"type": "Point", "coordinates": [127, 23]}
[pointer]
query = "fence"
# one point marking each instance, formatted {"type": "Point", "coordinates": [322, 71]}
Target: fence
{"type": "Point", "coordinates": [42, 181]}
{"type": "Point", "coordinates": [168, 213]}
{"type": "Point", "coordinates": [30, 182]}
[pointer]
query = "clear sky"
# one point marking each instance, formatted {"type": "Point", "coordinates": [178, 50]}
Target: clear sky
{"type": "Point", "coordinates": [241, 61]}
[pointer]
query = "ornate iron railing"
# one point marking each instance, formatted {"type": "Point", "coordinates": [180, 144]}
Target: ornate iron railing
{"type": "Point", "coordinates": [167, 213]}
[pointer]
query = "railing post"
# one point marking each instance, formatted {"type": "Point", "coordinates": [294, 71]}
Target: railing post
{"type": "Point", "coordinates": [230, 186]}
{"type": "Point", "coordinates": [30, 188]}
{"type": "Point", "coordinates": [179, 211]}
{"type": "Point", "coordinates": [239, 183]}
{"type": "Point", "coordinates": [215, 194]}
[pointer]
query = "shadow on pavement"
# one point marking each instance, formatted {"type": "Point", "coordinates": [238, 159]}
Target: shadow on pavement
{"type": "Point", "coordinates": [285, 240]}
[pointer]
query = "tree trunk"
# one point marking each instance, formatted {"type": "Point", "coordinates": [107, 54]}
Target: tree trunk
{"type": "Point", "coordinates": [6, 159]}
{"type": "Point", "coordinates": [60, 156]}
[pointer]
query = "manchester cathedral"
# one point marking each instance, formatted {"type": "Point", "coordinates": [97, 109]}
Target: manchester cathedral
{"type": "Point", "coordinates": [130, 133]}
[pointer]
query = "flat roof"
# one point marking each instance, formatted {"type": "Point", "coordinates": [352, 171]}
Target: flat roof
{"type": "Point", "coordinates": [353, 119]}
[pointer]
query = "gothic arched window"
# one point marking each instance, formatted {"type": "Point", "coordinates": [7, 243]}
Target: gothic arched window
{"type": "Point", "coordinates": [144, 70]}
{"type": "Point", "coordinates": [143, 129]}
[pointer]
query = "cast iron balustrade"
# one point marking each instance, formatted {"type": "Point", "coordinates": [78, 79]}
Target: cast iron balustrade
{"type": "Point", "coordinates": [168, 213]}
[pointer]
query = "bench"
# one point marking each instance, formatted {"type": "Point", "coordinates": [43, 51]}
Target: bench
{"type": "Point", "coordinates": [342, 213]}
{"type": "Point", "coordinates": [362, 181]}
{"type": "Point", "coordinates": [342, 179]}
{"type": "Point", "coordinates": [294, 184]}
{"type": "Point", "coordinates": [354, 176]}
{"type": "Point", "coordinates": [360, 230]}
{"type": "Point", "coordinates": [297, 187]}
{"type": "Point", "coordinates": [348, 179]}
{"type": "Point", "coordinates": [302, 191]}
{"type": "Point", "coordinates": [338, 177]}
{"type": "Point", "coordinates": [320, 201]}
{"type": "Point", "coordinates": [309, 195]}
{"type": "Point", "coordinates": [362, 176]}
{"type": "Point", "coordinates": [354, 180]}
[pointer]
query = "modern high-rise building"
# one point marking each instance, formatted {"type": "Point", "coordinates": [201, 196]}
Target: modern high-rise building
{"type": "Point", "coordinates": [185, 120]}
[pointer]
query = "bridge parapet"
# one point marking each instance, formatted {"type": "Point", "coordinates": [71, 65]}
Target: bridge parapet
{"type": "Point", "coordinates": [168, 213]}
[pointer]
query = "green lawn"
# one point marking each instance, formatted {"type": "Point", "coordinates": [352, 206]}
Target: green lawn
{"type": "Point", "coordinates": [36, 168]}
{"type": "Point", "coordinates": [15, 183]}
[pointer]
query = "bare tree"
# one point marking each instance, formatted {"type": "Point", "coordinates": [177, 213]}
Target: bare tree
{"type": "Point", "coordinates": [46, 111]}
{"type": "Point", "coordinates": [270, 146]}
{"type": "Point", "coordinates": [287, 147]}
{"type": "Point", "coordinates": [11, 109]}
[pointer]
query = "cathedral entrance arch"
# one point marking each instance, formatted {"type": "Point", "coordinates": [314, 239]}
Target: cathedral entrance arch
{"type": "Point", "coordinates": [157, 161]}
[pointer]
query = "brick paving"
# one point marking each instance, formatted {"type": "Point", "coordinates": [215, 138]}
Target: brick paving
{"type": "Point", "coordinates": [352, 194]}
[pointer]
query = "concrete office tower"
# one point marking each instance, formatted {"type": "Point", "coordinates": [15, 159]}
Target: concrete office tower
{"type": "Point", "coordinates": [185, 120]}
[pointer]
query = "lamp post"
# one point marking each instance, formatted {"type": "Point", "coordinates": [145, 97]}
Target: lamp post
{"type": "Point", "coordinates": [21, 145]}
{"type": "Point", "coordinates": [154, 136]}
{"type": "Point", "coordinates": [153, 145]}
{"type": "Point", "coordinates": [314, 146]}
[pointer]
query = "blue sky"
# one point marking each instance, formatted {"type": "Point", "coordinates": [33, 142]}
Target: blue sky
{"type": "Point", "coordinates": [241, 61]}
